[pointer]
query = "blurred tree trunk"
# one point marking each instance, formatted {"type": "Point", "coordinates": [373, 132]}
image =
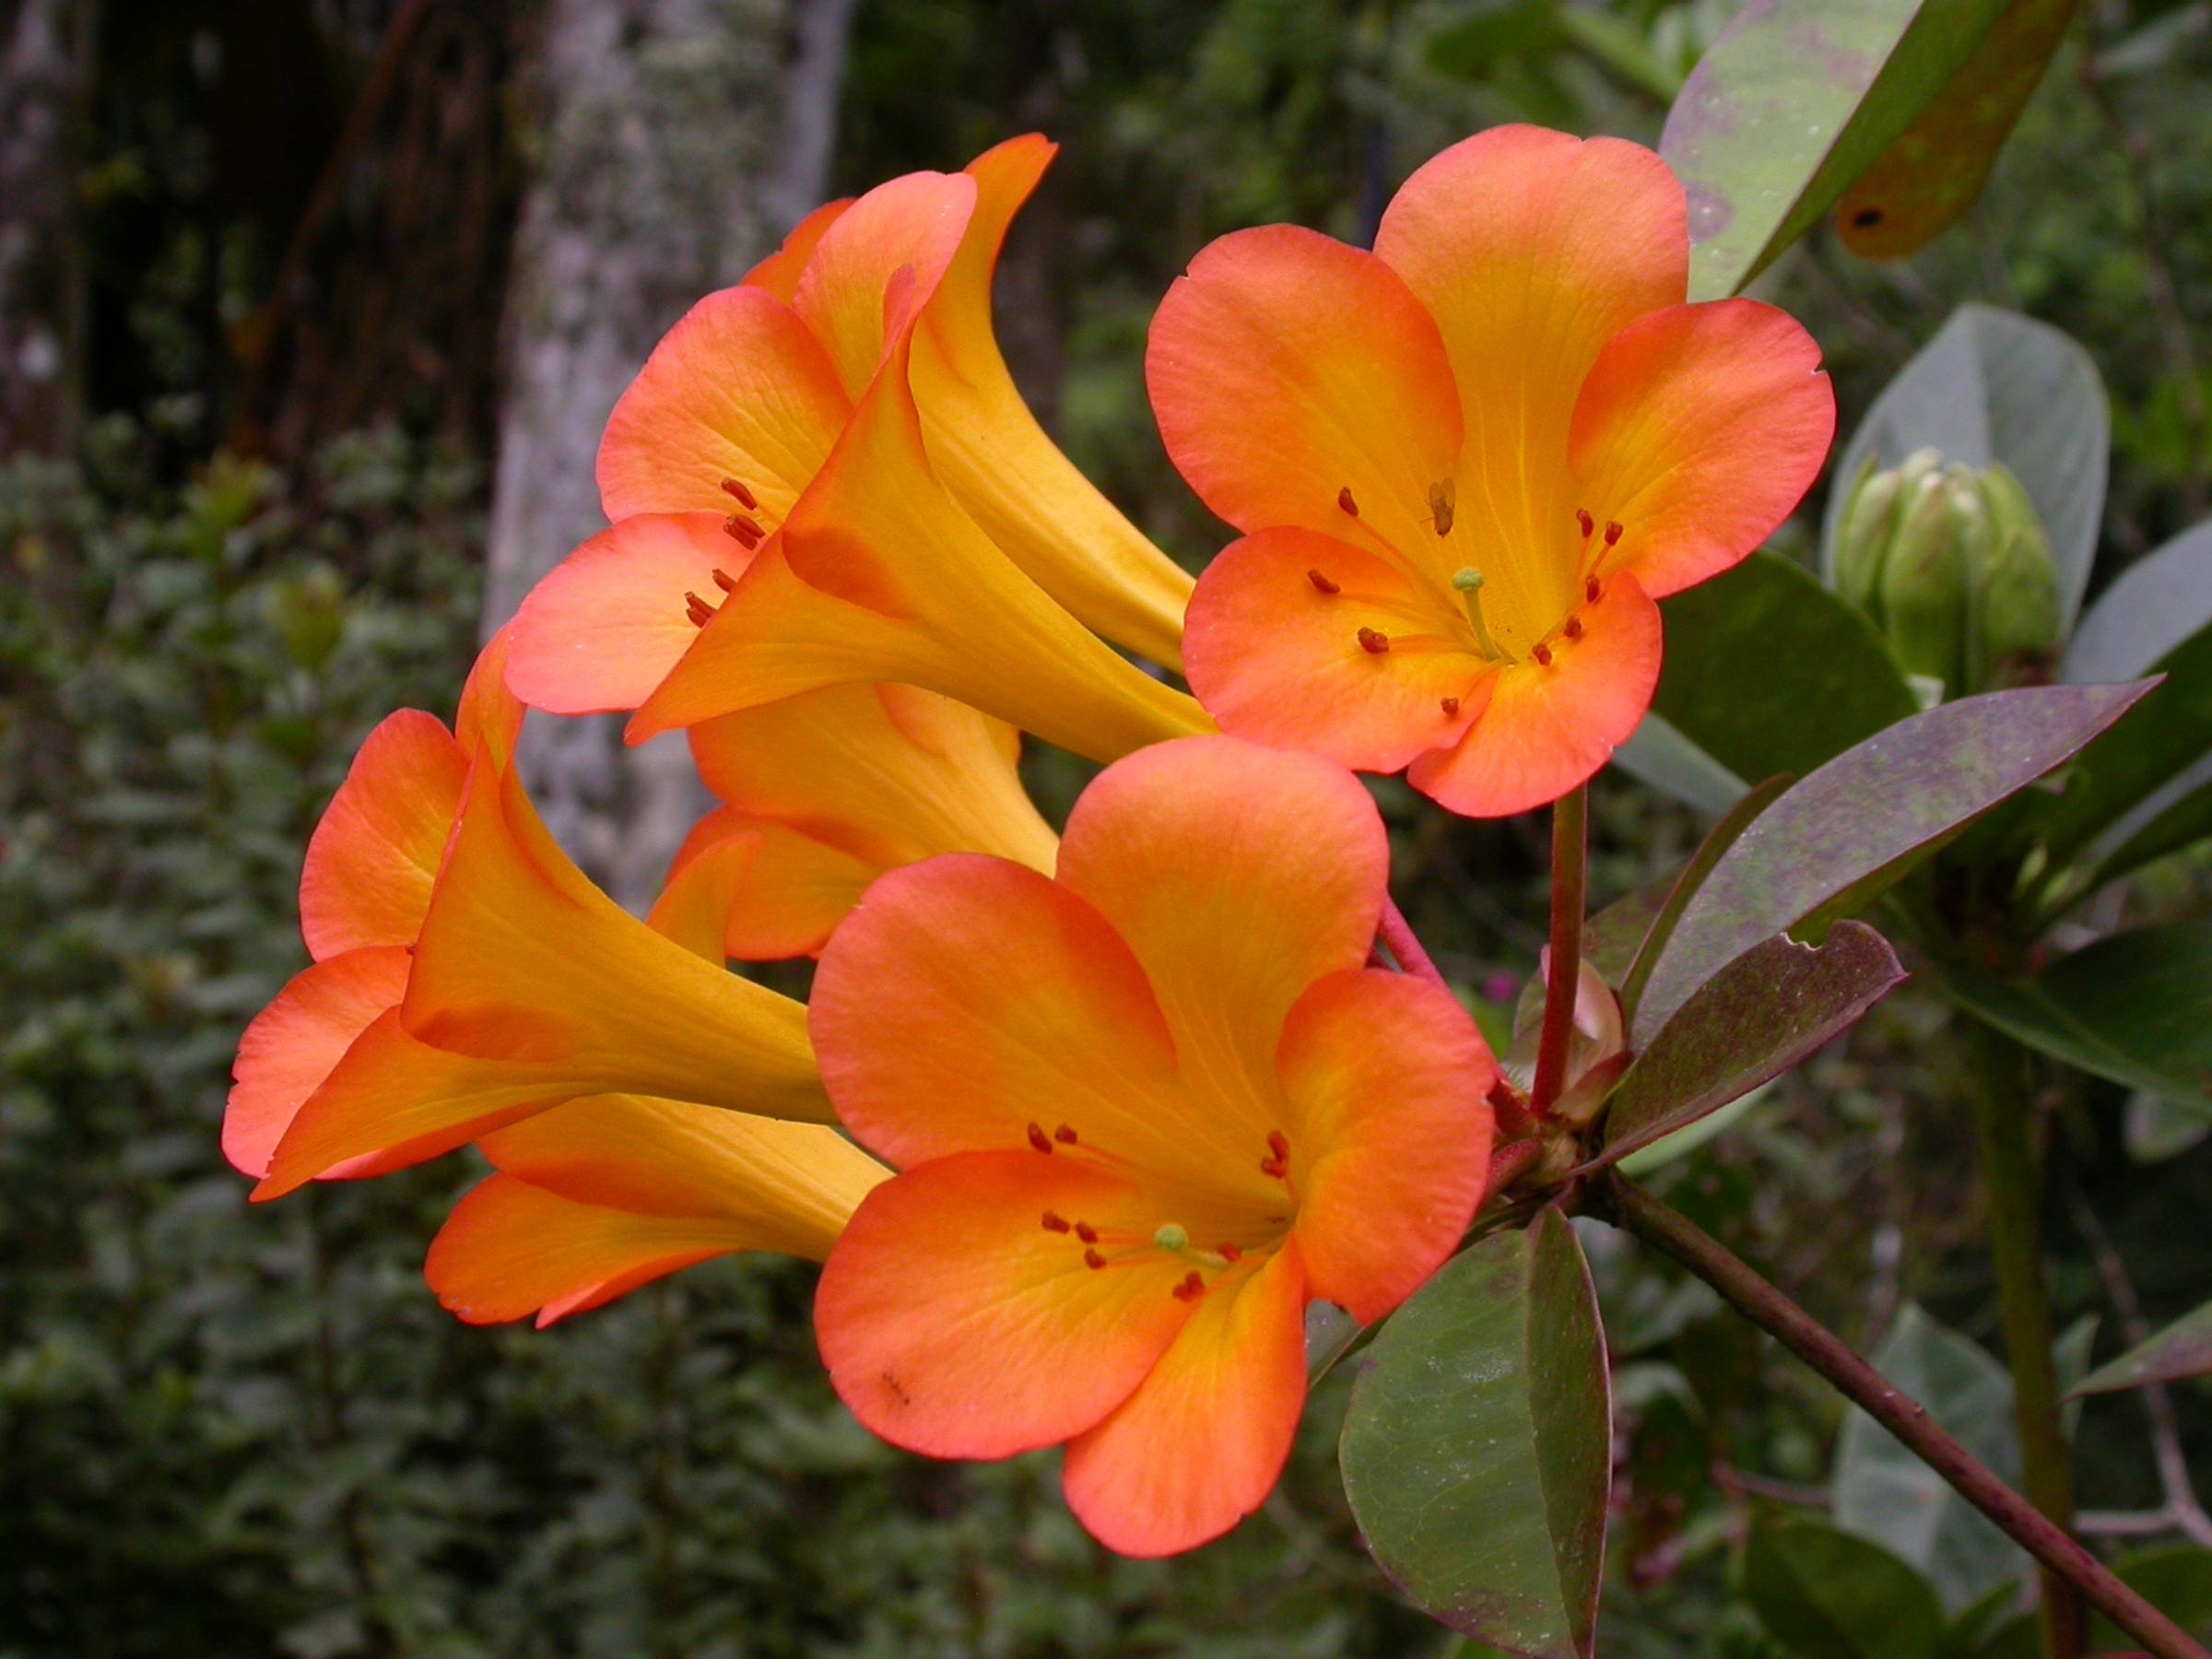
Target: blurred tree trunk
{"type": "Point", "coordinates": [45, 61]}
{"type": "Point", "coordinates": [678, 139]}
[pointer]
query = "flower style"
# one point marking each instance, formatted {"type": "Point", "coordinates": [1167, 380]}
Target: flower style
{"type": "Point", "coordinates": [599, 1196]}
{"type": "Point", "coordinates": [824, 476]}
{"type": "Point", "coordinates": [1467, 462]}
{"type": "Point", "coordinates": [1144, 1111]}
{"type": "Point", "coordinates": [832, 788]}
{"type": "Point", "coordinates": [468, 975]}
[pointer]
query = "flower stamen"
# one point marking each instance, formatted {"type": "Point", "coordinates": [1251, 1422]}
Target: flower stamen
{"type": "Point", "coordinates": [1374, 642]}
{"type": "Point", "coordinates": [1467, 581]}
{"type": "Point", "coordinates": [1322, 584]}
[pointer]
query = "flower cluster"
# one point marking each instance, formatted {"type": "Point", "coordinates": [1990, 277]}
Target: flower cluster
{"type": "Point", "coordinates": [1079, 1122]}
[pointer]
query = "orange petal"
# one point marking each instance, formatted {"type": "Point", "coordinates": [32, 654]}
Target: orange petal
{"type": "Point", "coordinates": [1548, 728]}
{"type": "Point", "coordinates": [511, 1250]}
{"type": "Point", "coordinates": [1201, 1443]}
{"type": "Point", "coordinates": [375, 851]}
{"type": "Point", "coordinates": [851, 294]}
{"type": "Point", "coordinates": [1388, 1079]}
{"type": "Point", "coordinates": [879, 575]}
{"type": "Point", "coordinates": [1238, 876]}
{"type": "Point", "coordinates": [601, 629]}
{"type": "Point", "coordinates": [968, 997]}
{"type": "Point", "coordinates": [1699, 429]}
{"type": "Point", "coordinates": [1275, 657]}
{"type": "Point", "coordinates": [954, 1324]}
{"type": "Point", "coordinates": [1531, 248]}
{"type": "Point", "coordinates": [399, 1101]}
{"type": "Point", "coordinates": [1288, 370]}
{"type": "Point", "coordinates": [795, 1184]}
{"type": "Point", "coordinates": [704, 885]}
{"type": "Point", "coordinates": [1026, 496]}
{"type": "Point", "coordinates": [778, 273]}
{"type": "Point", "coordinates": [490, 715]}
{"type": "Point", "coordinates": [738, 389]}
{"type": "Point", "coordinates": [523, 959]}
{"type": "Point", "coordinates": [294, 1042]}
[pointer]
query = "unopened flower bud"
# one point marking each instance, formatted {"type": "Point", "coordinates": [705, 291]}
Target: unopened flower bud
{"type": "Point", "coordinates": [2017, 625]}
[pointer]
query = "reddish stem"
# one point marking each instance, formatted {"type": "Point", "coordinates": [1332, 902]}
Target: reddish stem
{"type": "Point", "coordinates": [1397, 933]}
{"type": "Point", "coordinates": [1569, 864]}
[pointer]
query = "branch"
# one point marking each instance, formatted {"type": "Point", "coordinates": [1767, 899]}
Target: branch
{"type": "Point", "coordinates": [1398, 936]}
{"type": "Point", "coordinates": [1570, 868]}
{"type": "Point", "coordinates": [1676, 1236]}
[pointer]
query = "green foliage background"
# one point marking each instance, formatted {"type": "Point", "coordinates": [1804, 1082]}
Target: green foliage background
{"type": "Point", "coordinates": [231, 1430]}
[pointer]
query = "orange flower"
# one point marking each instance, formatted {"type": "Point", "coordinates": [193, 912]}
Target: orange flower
{"type": "Point", "coordinates": [831, 788]}
{"type": "Point", "coordinates": [835, 446]}
{"type": "Point", "coordinates": [1467, 462]}
{"type": "Point", "coordinates": [468, 975]}
{"type": "Point", "coordinates": [1144, 1111]}
{"type": "Point", "coordinates": [599, 1196]}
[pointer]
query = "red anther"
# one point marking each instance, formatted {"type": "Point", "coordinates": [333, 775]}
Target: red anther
{"type": "Point", "coordinates": [1272, 1166]}
{"type": "Point", "coordinates": [1449, 706]}
{"type": "Point", "coordinates": [1590, 590]}
{"type": "Point", "coordinates": [1321, 584]}
{"type": "Point", "coordinates": [1372, 643]}
{"type": "Point", "coordinates": [697, 609]}
{"type": "Point", "coordinates": [1038, 1140]}
{"type": "Point", "coordinates": [1191, 1290]}
{"type": "Point", "coordinates": [1612, 532]}
{"type": "Point", "coordinates": [1279, 1142]}
{"type": "Point", "coordinates": [1087, 1233]}
{"type": "Point", "coordinates": [1573, 629]}
{"type": "Point", "coordinates": [1228, 1252]}
{"type": "Point", "coordinates": [1065, 1136]}
{"type": "Point", "coordinates": [746, 497]}
{"type": "Point", "coordinates": [725, 580]}
{"type": "Point", "coordinates": [1054, 1222]}
{"type": "Point", "coordinates": [742, 530]}
{"type": "Point", "coordinates": [1343, 500]}
{"type": "Point", "coordinates": [1543, 655]}
{"type": "Point", "coordinates": [1589, 524]}
{"type": "Point", "coordinates": [1091, 1258]}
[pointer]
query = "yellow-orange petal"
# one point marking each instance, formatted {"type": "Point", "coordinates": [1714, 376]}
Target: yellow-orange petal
{"type": "Point", "coordinates": [1531, 248]}
{"type": "Point", "coordinates": [510, 1251]}
{"type": "Point", "coordinates": [852, 293]}
{"type": "Point", "coordinates": [1238, 876]}
{"type": "Point", "coordinates": [1026, 496]}
{"type": "Point", "coordinates": [1388, 1079]}
{"type": "Point", "coordinates": [795, 1184]}
{"type": "Point", "coordinates": [490, 716]}
{"type": "Point", "coordinates": [955, 1323]}
{"type": "Point", "coordinates": [738, 389]}
{"type": "Point", "coordinates": [604, 626]}
{"type": "Point", "coordinates": [1297, 381]}
{"type": "Point", "coordinates": [794, 890]}
{"type": "Point", "coordinates": [1698, 430]}
{"type": "Point", "coordinates": [292, 1045]}
{"type": "Point", "coordinates": [705, 883]}
{"type": "Point", "coordinates": [778, 273]}
{"type": "Point", "coordinates": [1203, 1440]}
{"type": "Point", "coordinates": [523, 959]}
{"type": "Point", "coordinates": [968, 997]}
{"type": "Point", "coordinates": [374, 853]}
{"type": "Point", "coordinates": [1548, 728]}
{"type": "Point", "coordinates": [1280, 649]}
{"type": "Point", "coordinates": [391, 1101]}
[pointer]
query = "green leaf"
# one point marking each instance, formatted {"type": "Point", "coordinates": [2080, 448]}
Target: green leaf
{"type": "Point", "coordinates": [2124, 778]}
{"type": "Point", "coordinates": [1661, 758]}
{"type": "Point", "coordinates": [1767, 671]}
{"type": "Point", "coordinates": [1682, 1143]}
{"type": "Point", "coordinates": [1795, 101]}
{"type": "Point", "coordinates": [2183, 1349]}
{"type": "Point", "coordinates": [1688, 880]}
{"type": "Point", "coordinates": [1477, 1448]}
{"type": "Point", "coordinates": [2151, 607]}
{"type": "Point", "coordinates": [2156, 1129]}
{"type": "Point", "coordinates": [1834, 843]}
{"type": "Point", "coordinates": [2176, 1579]}
{"type": "Point", "coordinates": [1761, 1015]}
{"type": "Point", "coordinates": [1828, 1595]}
{"type": "Point", "coordinates": [1884, 1493]}
{"type": "Point", "coordinates": [2135, 1006]}
{"type": "Point", "coordinates": [1330, 1332]}
{"type": "Point", "coordinates": [1995, 388]}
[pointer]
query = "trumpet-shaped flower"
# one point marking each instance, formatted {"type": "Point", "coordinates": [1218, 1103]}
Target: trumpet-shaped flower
{"type": "Point", "coordinates": [831, 788]}
{"type": "Point", "coordinates": [1144, 1111]}
{"type": "Point", "coordinates": [454, 997]}
{"type": "Point", "coordinates": [1467, 462]}
{"type": "Point", "coordinates": [599, 1196]}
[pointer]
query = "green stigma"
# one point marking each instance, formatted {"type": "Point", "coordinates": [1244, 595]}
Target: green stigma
{"type": "Point", "coordinates": [1467, 580]}
{"type": "Point", "coordinates": [1172, 1238]}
